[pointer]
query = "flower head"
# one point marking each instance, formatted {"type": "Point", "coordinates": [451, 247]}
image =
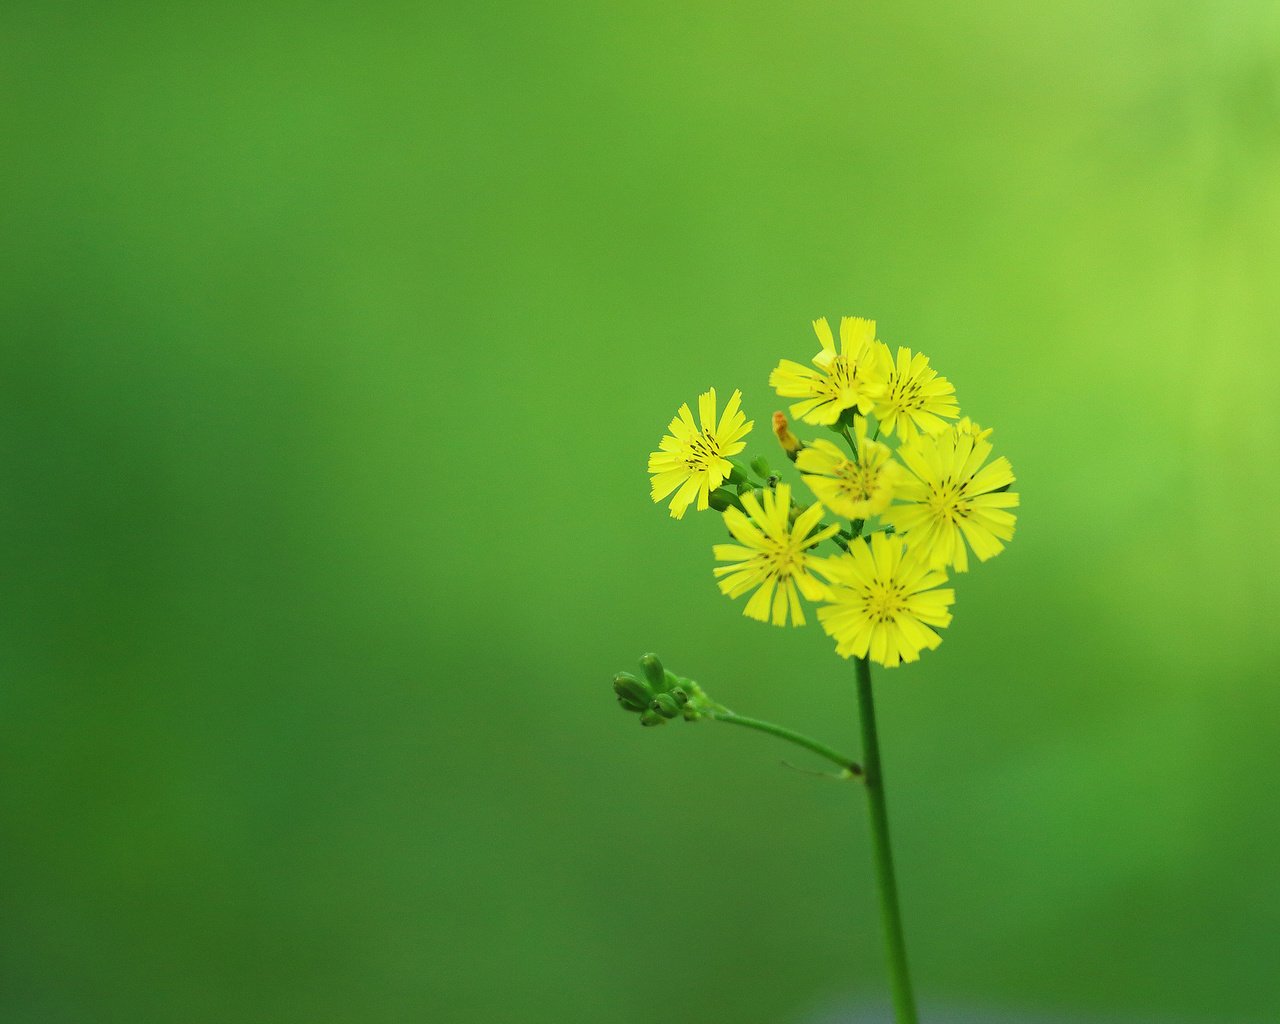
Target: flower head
{"type": "Point", "coordinates": [882, 602]}
{"type": "Point", "coordinates": [693, 462]}
{"type": "Point", "coordinates": [847, 379]}
{"type": "Point", "coordinates": [857, 490]}
{"type": "Point", "coordinates": [915, 397]}
{"type": "Point", "coordinates": [772, 556]}
{"type": "Point", "coordinates": [951, 498]}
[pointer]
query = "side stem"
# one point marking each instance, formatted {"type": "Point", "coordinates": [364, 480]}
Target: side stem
{"type": "Point", "coordinates": [851, 767]}
{"type": "Point", "coordinates": [891, 915]}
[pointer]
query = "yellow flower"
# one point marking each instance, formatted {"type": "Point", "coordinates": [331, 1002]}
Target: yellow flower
{"type": "Point", "coordinates": [915, 397]}
{"type": "Point", "coordinates": [694, 462]}
{"type": "Point", "coordinates": [773, 557]}
{"type": "Point", "coordinates": [844, 380]}
{"type": "Point", "coordinates": [857, 490]}
{"type": "Point", "coordinates": [952, 498]}
{"type": "Point", "coordinates": [882, 602]}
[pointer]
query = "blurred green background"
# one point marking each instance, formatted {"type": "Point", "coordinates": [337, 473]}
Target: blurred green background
{"type": "Point", "coordinates": [334, 341]}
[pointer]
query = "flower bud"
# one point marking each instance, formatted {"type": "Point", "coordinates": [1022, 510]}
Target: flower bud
{"type": "Point", "coordinates": [760, 466]}
{"type": "Point", "coordinates": [722, 498]}
{"type": "Point", "coordinates": [651, 717]}
{"type": "Point", "coordinates": [791, 444]}
{"type": "Point", "coordinates": [654, 672]}
{"type": "Point", "coordinates": [633, 694]}
{"type": "Point", "coordinates": [665, 705]}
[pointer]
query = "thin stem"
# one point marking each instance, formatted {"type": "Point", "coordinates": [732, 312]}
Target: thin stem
{"type": "Point", "coordinates": [849, 439]}
{"type": "Point", "coordinates": [891, 915]}
{"type": "Point", "coordinates": [821, 749]}
{"type": "Point", "coordinates": [855, 525]}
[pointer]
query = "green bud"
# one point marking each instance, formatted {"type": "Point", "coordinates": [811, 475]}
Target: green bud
{"type": "Point", "coordinates": [665, 705]}
{"type": "Point", "coordinates": [760, 466]}
{"type": "Point", "coordinates": [632, 693]}
{"type": "Point", "coordinates": [679, 696]}
{"type": "Point", "coordinates": [737, 475]}
{"type": "Point", "coordinates": [722, 498]}
{"type": "Point", "coordinates": [651, 717]}
{"type": "Point", "coordinates": [654, 671]}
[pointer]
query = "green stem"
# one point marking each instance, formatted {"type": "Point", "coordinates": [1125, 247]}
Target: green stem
{"type": "Point", "coordinates": [853, 445]}
{"type": "Point", "coordinates": [891, 915]}
{"type": "Point", "coordinates": [821, 749]}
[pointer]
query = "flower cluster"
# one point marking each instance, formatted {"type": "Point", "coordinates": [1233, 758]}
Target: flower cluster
{"type": "Point", "coordinates": [912, 492]}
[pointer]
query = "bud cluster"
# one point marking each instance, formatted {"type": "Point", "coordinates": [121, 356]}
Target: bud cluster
{"type": "Point", "coordinates": [657, 695]}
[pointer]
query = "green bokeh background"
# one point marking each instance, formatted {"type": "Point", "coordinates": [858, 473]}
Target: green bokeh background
{"type": "Point", "coordinates": [334, 340]}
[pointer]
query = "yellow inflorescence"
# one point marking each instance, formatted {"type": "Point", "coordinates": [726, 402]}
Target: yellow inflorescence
{"type": "Point", "coordinates": [883, 602]}
{"type": "Point", "coordinates": [772, 556]}
{"type": "Point", "coordinates": [693, 461]}
{"type": "Point", "coordinates": [856, 490]}
{"type": "Point", "coordinates": [923, 506]}
{"type": "Point", "coordinates": [847, 379]}
{"type": "Point", "coordinates": [915, 398]}
{"type": "Point", "coordinates": [952, 499]}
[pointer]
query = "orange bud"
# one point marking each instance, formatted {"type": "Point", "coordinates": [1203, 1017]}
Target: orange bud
{"type": "Point", "coordinates": [790, 443]}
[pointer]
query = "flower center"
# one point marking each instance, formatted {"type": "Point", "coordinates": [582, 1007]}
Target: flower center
{"type": "Point", "coordinates": [702, 449]}
{"type": "Point", "coordinates": [906, 393]}
{"type": "Point", "coordinates": [844, 374]}
{"type": "Point", "coordinates": [782, 561]}
{"type": "Point", "coordinates": [860, 481]}
{"type": "Point", "coordinates": [948, 499]}
{"type": "Point", "coordinates": [884, 601]}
